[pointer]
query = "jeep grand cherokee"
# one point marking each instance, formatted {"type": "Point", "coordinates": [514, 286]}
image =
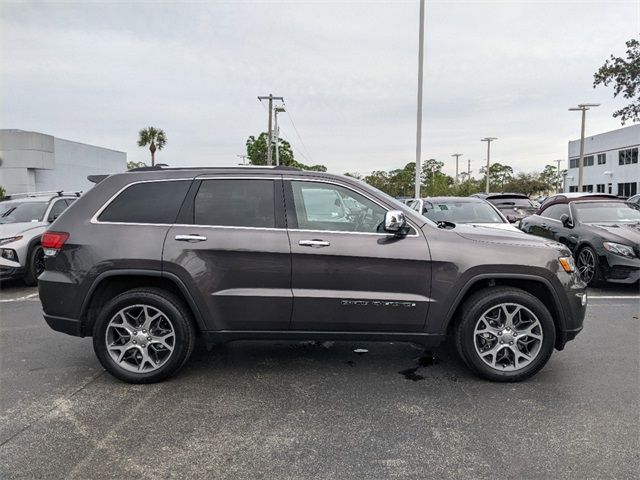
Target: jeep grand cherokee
{"type": "Point", "coordinates": [147, 260]}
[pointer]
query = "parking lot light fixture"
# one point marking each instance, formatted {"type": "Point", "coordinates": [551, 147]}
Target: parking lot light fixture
{"type": "Point", "coordinates": [488, 140]}
{"type": "Point", "coordinates": [582, 107]}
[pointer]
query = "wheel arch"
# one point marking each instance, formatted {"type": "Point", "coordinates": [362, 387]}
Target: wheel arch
{"type": "Point", "coordinates": [111, 283]}
{"type": "Point", "coordinates": [539, 287]}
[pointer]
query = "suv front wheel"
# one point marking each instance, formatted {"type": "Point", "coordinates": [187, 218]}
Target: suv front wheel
{"type": "Point", "coordinates": [505, 334]}
{"type": "Point", "coordinates": [144, 335]}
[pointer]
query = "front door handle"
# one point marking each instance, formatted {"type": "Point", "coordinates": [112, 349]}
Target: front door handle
{"type": "Point", "coordinates": [190, 238]}
{"type": "Point", "coordinates": [313, 243]}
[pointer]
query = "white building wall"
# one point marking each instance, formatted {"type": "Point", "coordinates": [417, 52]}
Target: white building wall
{"type": "Point", "coordinates": [32, 161]}
{"type": "Point", "coordinates": [611, 173]}
{"type": "Point", "coordinates": [74, 162]}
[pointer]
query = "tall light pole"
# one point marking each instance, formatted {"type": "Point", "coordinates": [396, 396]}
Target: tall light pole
{"type": "Point", "coordinates": [457, 155]}
{"type": "Point", "coordinates": [558, 175]}
{"type": "Point", "coordinates": [468, 177]}
{"type": "Point", "coordinates": [276, 111]}
{"type": "Point", "coordinates": [583, 107]}
{"type": "Point", "coordinates": [488, 140]}
{"type": "Point", "coordinates": [419, 122]}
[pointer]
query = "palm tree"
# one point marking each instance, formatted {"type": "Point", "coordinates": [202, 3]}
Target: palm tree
{"type": "Point", "coordinates": [155, 138]}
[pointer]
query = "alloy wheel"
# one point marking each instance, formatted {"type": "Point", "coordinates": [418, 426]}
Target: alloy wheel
{"type": "Point", "coordinates": [586, 264]}
{"type": "Point", "coordinates": [38, 262]}
{"type": "Point", "coordinates": [508, 337]}
{"type": "Point", "coordinates": [140, 338]}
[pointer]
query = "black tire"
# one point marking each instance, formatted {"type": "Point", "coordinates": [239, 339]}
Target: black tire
{"type": "Point", "coordinates": [481, 302]}
{"type": "Point", "coordinates": [34, 266]}
{"type": "Point", "coordinates": [172, 308]}
{"type": "Point", "coordinates": [595, 277]}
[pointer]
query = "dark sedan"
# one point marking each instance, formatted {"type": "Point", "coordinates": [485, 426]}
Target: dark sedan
{"type": "Point", "coordinates": [602, 233]}
{"type": "Point", "coordinates": [514, 206]}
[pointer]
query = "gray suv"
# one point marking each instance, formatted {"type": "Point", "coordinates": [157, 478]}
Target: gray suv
{"type": "Point", "coordinates": [147, 260]}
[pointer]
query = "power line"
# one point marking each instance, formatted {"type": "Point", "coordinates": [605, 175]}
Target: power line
{"type": "Point", "coordinates": [297, 132]}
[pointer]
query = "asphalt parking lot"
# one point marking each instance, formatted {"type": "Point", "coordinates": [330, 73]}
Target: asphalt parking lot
{"type": "Point", "coordinates": [307, 410]}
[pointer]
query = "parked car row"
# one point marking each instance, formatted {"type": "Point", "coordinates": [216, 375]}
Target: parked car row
{"type": "Point", "coordinates": [601, 230]}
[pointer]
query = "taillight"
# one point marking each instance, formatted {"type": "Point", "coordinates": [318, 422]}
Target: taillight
{"type": "Point", "coordinates": [52, 242]}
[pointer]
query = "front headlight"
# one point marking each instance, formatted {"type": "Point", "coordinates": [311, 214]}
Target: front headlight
{"type": "Point", "coordinates": [567, 264]}
{"type": "Point", "coordinates": [4, 241]}
{"type": "Point", "coordinates": [619, 249]}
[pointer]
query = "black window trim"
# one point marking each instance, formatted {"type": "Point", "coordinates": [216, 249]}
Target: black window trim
{"type": "Point", "coordinates": [95, 220]}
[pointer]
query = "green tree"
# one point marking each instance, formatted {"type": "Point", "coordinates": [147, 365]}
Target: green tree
{"type": "Point", "coordinates": [499, 176]}
{"type": "Point", "coordinates": [3, 192]}
{"type": "Point", "coordinates": [625, 76]}
{"type": "Point", "coordinates": [527, 183]}
{"type": "Point", "coordinates": [155, 138]}
{"type": "Point", "coordinates": [257, 153]}
{"type": "Point", "coordinates": [549, 177]}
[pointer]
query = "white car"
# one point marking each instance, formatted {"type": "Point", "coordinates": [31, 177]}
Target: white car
{"type": "Point", "coordinates": [469, 210]}
{"type": "Point", "coordinates": [23, 219]}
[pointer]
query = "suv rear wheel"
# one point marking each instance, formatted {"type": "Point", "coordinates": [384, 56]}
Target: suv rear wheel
{"type": "Point", "coordinates": [143, 335]}
{"type": "Point", "coordinates": [505, 334]}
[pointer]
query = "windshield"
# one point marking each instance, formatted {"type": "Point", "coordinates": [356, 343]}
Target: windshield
{"type": "Point", "coordinates": [461, 212]}
{"type": "Point", "coordinates": [18, 212]}
{"type": "Point", "coordinates": [607, 212]}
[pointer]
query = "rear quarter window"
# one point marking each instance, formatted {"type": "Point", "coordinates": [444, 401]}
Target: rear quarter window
{"type": "Point", "coordinates": [147, 202]}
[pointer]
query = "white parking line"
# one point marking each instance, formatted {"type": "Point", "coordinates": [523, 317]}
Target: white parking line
{"type": "Point", "coordinates": [614, 297]}
{"type": "Point", "coordinates": [19, 299]}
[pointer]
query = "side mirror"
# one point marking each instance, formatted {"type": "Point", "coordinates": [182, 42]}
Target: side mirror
{"type": "Point", "coordinates": [396, 223]}
{"type": "Point", "coordinates": [512, 218]}
{"type": "Point", "coordinates": [566, 221]}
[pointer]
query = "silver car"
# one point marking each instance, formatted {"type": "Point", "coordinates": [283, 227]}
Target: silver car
{"type": "Point", "coordinates": [23, 220]}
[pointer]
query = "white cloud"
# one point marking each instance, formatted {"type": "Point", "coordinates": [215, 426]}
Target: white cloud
{"type": "Point", "coordinates": [97, 73]}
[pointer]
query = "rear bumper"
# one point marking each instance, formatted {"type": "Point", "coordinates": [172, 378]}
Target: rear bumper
{"type": "Point", "coordinates": [70, 326]}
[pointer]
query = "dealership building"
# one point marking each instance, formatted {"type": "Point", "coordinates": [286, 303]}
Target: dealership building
{"type": "Point", "coordinates": [610, 163]}
{"type": "Point", "coordinates": [36, 162]}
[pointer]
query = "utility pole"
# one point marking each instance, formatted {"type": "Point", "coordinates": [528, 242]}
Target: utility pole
{"type": "Point", "coordinates": [271, 98]}
{"type": "Point", "coordinates": [243, 157]}
{"type": "Point", "coordinates": [558, 176]}
{"type": "Point", "coordinates": [457, 155]}
{"type": "Point", "coordinates": [276, 111]}
{"type": "Point", "coordinates": [488, 140]}
{"type": "Point", "coordinates": [419, 122]}
{"type": "Point", "coordinates": [583, 107]}
{"type": "Point", "coordinates": [468, 177]}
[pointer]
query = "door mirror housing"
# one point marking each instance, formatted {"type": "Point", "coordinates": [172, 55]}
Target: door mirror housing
{"type": "Point", "coordinates": [566, 221]}
{"type": "Point", "coordinates": [396, 223]}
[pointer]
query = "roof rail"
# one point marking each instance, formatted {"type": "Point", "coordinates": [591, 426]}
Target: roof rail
{"type": "Point", "coordinates": [51, 193]}
{"type": "Point", "coordinates": [160, 167]}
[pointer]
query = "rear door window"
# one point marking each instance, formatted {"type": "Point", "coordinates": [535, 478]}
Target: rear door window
{"type": "Point", "coordinates": [235, 203]}
{"type": "Point", "coordinates": [147, 202]}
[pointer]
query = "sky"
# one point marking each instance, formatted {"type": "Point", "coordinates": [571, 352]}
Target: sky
{"type": "Point", "coordinates": [97, 72]}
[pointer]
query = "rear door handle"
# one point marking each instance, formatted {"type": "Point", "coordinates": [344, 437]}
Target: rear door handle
{"type": "Point", "coordinates": [190, 238]}
{"type": "Point", "coordinates": [313, 243]}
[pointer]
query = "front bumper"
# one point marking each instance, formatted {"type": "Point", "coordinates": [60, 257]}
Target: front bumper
{"type": "Point", "coordinates": [7, 273]}
{"type": "Point", "coordinates": [618, 269]}
{"type": "Point", "coordinates": [574, 306]}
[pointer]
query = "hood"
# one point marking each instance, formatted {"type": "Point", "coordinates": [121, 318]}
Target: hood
{"type": "Point", "coordinates": [627, 233]}
{"type": "Point", "coordinates": [500, 226]}
{"type": "Point", "coordinates": [505, 237]}
{"type": "Point", "coordinates": [13, 229]}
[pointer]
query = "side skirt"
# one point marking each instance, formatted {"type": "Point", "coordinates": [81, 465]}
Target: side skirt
{"type": "Point", "coordinates": [225, 336]}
